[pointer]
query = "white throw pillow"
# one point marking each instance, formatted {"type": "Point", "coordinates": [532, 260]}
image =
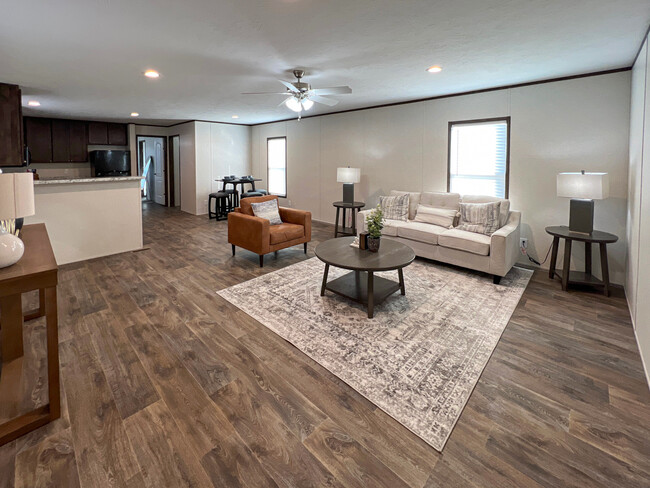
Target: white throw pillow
{"type": "Point", "coordinates": [444, 217]}
{"type": "Point", "coordinates": [267, 210]}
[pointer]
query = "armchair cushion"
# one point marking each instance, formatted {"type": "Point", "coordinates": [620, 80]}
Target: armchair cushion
{"type": "Point", "coordinates": [285, 232]}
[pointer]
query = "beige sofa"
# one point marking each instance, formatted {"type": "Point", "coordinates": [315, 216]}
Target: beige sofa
{"type": "Point", "coordinates": [494, 254]}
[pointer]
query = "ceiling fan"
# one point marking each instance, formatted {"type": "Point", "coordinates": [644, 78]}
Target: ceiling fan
{"type": "Point", "coordinates": [301, 96]}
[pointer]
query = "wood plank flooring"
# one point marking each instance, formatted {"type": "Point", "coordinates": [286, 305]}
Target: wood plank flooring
{"type": "Point", "coordinates": [164, 383]}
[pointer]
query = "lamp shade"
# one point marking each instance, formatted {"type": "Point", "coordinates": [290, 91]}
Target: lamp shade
{"type": "Point", "coordinates": [348, 175]}
{"type": "Point", "coordinates": [592, 186]}
{"type": "Point", "coordinates": [16, 195]}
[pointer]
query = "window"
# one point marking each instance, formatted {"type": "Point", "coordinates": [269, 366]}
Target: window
{"type": "Point", "coordinates": [276, 163]}
{"type": "Point", "coordinates": [479, 153]}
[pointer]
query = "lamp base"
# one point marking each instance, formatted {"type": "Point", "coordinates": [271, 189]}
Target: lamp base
{"type": "Point", "coordinates": [11, 249]}
{"type": "Point", "coordinates": [348, 193]}
{"type": "Point", "coordinates": [581, 215]}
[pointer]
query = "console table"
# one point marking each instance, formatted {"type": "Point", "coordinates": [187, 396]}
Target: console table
{"type": "Point", "coordinates": [569, 277]}
{"type": "Point", "coordinates": [354, 209]}
{"type": "Point", "coordinates": [37, 270]}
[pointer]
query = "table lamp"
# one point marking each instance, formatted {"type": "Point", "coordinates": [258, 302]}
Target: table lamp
{"type": "Point", "coordinates": [582, 188]}
{"type": "Point", "coordinates": [16, 201]}
{"type": "Point", "coordinates": [348, 176]}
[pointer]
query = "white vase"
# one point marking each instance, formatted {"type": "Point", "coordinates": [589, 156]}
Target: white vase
{"type": "Point", "coordinates": [11, 249]}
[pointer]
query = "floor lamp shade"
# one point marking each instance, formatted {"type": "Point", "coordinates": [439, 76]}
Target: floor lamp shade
{"type": "Point", "coordinates": [348, 176]}
{"type": "Point", "coordinates": [16, 201]}
{"type": "Point", "coordinates": [583, 188]}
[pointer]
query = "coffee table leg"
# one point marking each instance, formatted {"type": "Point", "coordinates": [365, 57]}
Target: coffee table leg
{"type": "Point", "coordinates": [551, 267]}
{"type": "Point", "coordinates": [322, 288]}
{"type": "Point", "coordinates": [567, 264]}
{"type": "Point", "coordinates": [401, 281]}
{"type": "Point", "coordinates": [371, 294]}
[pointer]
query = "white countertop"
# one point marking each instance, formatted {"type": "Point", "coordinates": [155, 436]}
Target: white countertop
{"type": "Point", "coordinates": [67, 181]}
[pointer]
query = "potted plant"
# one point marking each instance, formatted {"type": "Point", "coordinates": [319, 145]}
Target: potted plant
{"type": "Point", "coordinates": [374, 223]}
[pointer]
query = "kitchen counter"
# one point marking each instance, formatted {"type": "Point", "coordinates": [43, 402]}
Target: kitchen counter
{"type": "Point", "coordinates": [68, 181]}
{"type": "Point", "coordinates": [89, 217]}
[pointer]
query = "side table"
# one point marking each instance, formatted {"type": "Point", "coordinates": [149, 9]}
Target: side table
{"type": "Point", "coordinates": [569, 277]}
{"type": "Point", "coordinates": [37, 270]}
{"type": "Point", "coordinates": [354, 208]}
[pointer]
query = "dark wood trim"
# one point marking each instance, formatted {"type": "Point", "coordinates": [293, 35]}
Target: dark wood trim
{"type": "Point", "coordinates": [506, 119]}
{"type": "Point", "coordinates": [460, 94]}
{"type": "Point", "coordinates": [286, 169]}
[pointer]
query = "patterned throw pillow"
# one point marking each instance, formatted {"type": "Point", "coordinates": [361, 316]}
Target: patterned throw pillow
{"type": "Point", "coordinates": [444, 217]}
{"type": "Point", "coordinates": [480, 218]}
{"type": "Point", "coordinates": [395, 207]}
{"type": "Point", "coordinates": [267, 210]}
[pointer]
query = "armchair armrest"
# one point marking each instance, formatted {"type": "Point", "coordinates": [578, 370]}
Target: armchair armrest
{"type": "Point", "coordinates": [249, 232]}
{"type": "Point", "coordinates": [504, 245]}
{"type": "Point", "coordinates": [299, 217]}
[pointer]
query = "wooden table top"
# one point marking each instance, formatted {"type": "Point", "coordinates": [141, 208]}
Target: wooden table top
{"type": "Point", "coordinates": [338, 252]}
{"type": "Point", "coordinates": [37, 260]}
{"type": "Point", "coordinates": [596, 236]}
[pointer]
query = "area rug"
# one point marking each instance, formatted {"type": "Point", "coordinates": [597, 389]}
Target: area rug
{"type": "Point", "coordinates": [421, 355]}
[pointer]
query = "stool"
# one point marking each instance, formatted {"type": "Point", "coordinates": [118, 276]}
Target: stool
{"type": "Point", "coordinates": [251, 194]}
{"type": "Point", "coordinates": [263, 192]}
{"type": "Point", "coordinates": [222, 205]}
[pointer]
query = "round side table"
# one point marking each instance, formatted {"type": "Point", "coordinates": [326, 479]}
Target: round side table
{"type": "Point", "coordinates": [354, 208]}
{"type": "Point", "coordinates": [578, 277]}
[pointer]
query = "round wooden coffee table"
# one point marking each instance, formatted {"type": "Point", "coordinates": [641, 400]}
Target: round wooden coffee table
{"type": "Point", "coordinates": [361, 285]}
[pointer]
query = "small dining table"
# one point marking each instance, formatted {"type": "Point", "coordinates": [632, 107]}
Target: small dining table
{"type": "Point", "coordinates": [239, 181]}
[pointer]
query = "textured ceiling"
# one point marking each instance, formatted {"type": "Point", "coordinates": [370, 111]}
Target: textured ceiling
{"type": "Point", "coordinates": [85, 58]}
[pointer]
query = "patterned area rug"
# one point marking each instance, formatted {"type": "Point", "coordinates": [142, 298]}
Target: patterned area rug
{"type": "Point", "coordinates": [418, 359]}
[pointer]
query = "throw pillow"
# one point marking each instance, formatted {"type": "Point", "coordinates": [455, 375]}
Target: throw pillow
{"type": "Point", "coordinates": [267, 210]}
{"type": "Point", "coordinates": [444, 217]}
{"type": "Point", "coordinates": [395, 207]}
{"type": "Point", "coordinates": [480, 218]}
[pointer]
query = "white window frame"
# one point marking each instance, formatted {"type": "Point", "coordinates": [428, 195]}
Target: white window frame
{"type": "Point", "coordinates": [268, 167]}
{"type": "Point", "coordinates": [478, 122]}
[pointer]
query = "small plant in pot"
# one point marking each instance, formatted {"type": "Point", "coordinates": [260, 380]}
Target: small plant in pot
{"type": "Point", "coordinates": [374, 223]}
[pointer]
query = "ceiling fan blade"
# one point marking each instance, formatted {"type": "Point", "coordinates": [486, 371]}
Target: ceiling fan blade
{"type": "Point", "coordinates": [325, 101]}
{"type": "Point", "coordinates": [289, 86]}
{"type": "Point", "coordinates": [333, 90]}
{"type": "Point", "coordinates": [266, 93]}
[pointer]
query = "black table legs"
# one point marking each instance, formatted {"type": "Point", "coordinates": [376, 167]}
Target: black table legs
{"type": "Point", "coordinates": [604, 266]}
{"type": "Point", "coordinates": [322, 288]}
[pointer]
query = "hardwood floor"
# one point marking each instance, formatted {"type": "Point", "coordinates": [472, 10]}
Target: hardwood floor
{"type": "Point", "coordinates": [164, 383]}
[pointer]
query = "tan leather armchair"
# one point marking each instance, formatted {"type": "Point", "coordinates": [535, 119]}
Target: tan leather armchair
{"type": "Point", "coordinates": [259, 236]}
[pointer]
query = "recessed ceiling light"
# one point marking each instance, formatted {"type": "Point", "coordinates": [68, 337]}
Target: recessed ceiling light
{"type": "Point", "coordinates": [235, 116]}
{"type": "Point", "coordinates": [34, 103]}
{"type": "Point", "coordinates": [151, 73]}
{"type": "Point", "coordinates": [135, 114]}
{"type": "Point", "coordinates": [434, 69]}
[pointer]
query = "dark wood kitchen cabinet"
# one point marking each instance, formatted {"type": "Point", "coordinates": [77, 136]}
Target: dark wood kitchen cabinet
{"type": "Point", "coordinates": [69, 142]}
{"type": "Point", "coordinates": [60, 141]}
{"type": "Point", "coordinates": [78, 141]}
{"type": "Point", "coordinates": [11, 126]}
{"type": "Point", "coordinates": [38, 137]}
{"type": "Point", "coordinates": [106, 134]}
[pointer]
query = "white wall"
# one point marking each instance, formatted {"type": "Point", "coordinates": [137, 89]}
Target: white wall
{"type": "Point", "coordinates": [560, 126]}
{"type": "Point", "coordinates": [637, 283]}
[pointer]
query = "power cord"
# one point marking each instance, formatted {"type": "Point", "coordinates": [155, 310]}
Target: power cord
{"type": "Point", "coordinates": [533, 260]}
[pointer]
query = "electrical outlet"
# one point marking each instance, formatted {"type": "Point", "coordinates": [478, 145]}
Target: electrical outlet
{"type": "Point", "coordinates": [523, 243]}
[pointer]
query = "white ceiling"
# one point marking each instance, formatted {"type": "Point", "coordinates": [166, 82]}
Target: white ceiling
{"type": "Point", "coordinates": [85, 58]}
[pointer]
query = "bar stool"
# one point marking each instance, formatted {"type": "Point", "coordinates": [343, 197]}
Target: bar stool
{"type": "Point", "coordinates": [222, 205]}
{"type": "Point", "coordinates": [233, 193]}
{"type": "Point", "coordinates": [252, 194]}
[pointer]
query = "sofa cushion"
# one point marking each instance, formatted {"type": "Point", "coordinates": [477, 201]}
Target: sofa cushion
{"type": "Point", "coordinates": [504, 210]}
{"type": "Point", "coordinates": [414, 200]}
{"type": "Point", "coordinates": [285, 232]}
{"type": "Point", "coordinates": [391, 226]}
{"type": "Point", "coordinates": [421, 232]}
{"type": "Point", "coordinates": [440, 200]}
{"type": "Point", "coordinates": [465, 241]}
{"type": "Point", "coordinates": [395, 207]}
{"type": "Point", "coordinates": [482, 218]}
{"type": "Point", "coordinates": [444, 217]}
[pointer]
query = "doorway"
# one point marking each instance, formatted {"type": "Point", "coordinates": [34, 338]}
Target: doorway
{"type": "Point", "coordinates": [152, 164]}
{"type": "Point", "coordinates": [175, 171]}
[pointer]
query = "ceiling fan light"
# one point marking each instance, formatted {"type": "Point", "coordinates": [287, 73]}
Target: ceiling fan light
{"type": "Point", "coordinates": [293, 104]}
{"type": "Point", "coordinates": [307, 104]}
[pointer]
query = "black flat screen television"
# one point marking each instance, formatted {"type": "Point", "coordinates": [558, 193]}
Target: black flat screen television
{"type": "Point", "coordinates": [110, 163]}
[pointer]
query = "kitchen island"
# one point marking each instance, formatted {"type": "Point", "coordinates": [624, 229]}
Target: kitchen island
{"type": "Point", "coordinates": [89, 217]}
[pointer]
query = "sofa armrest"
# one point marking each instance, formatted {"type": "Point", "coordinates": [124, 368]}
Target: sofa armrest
{"type": "Point", "coordinates": [504, 245]}
{"type": "Point", "coordinates": [249, 232]}
{"type": "Point", "coordinates": [299, 217]}
{"type": "Point", "coordinates": [361, 220]}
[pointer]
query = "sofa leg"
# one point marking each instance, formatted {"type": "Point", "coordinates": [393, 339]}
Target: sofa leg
{"type": "Point", "coordinates": [233, 249]}
{"type": "Point", "coordinates": [305, 244]}
{"type": "Point", "coordinates": [261, 260]}
{"type": "Point", "coordinates": [496, 279]}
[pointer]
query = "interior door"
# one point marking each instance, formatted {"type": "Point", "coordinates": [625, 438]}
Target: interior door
{"type": "Point", "coordinates": [159, 173]}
